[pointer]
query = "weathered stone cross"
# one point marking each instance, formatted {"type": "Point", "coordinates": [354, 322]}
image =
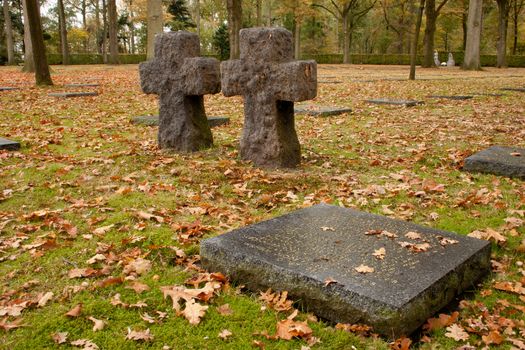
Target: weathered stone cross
{"type": "Point", "coordinates": [270, 82]}
{"type": "Point", "coordinates": [181, 78]}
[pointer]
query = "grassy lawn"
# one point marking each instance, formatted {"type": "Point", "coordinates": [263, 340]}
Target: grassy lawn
{"type": "Point", "coordinates": [94, 213]}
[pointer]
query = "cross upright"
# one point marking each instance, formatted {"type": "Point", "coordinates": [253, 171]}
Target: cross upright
{"type": "Point", "coordinates": [270, 81]}
{"type": "Point", "coordinates": [180, 77]}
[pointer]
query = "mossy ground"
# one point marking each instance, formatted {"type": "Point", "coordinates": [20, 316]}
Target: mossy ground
{"type": "Point", "coordinates": [84, 159]}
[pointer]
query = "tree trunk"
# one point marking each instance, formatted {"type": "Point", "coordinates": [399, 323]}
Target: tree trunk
{"type": "Point", "coordinates": [415, 40]}
{"type": "Point", "coordinates": [97, 26]}
{"type": "Point", "coordinates": [464, 25]}
{"type": "Point", "coordinates": [155, 25]}
{"type": "Point", "coordinates": [112, 26]}
{"type": "Point", "coordinates": [259, 13]}
{"type": "Point", "coordinates": [63, 32]}
{"type": "Point", "coordinates": [9, 35]}
{"type": "Point", "coordinates": [297, 40]}
{"type": "Point", "coordinates": [42, 75]}
{"type": "Point", "coordinates": [503, 24]}
{"type": "Point", "coordinates": [131, 28]}
{"type": "Point", "coordinates": [474, 24]}
{"type": "Point", "coordinates": [515, 34]}
{"type": "Point", "coordinates": [29, 62]}
{"type": "Point", "coordinates": [346, 43]}
{"type": "Point", "coordinates": [198, 16]}
{"type": "Point", "coordinates": [269, 14]}
{"type": "Point", "coordinates": [234, 24]}
{"type": "Point", "coordinates": [430, 31]}
{"type": "Point", "coordinates": [105, 32]}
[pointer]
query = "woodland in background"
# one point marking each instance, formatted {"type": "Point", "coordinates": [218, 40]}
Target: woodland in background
{"type": "Point", "coordinates": [319, 26]}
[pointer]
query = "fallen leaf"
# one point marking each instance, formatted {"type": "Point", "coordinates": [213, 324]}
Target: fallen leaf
{"type": "Point", "coordinates": [98, 325]}
{"type": "Point", "coordinates": [43, 300]}
{"type": "Point", "coordinates": [76, 311]}
{"type": "Point", "coordinates": [7, 326]}
{"type": "Point", "coordinates": [59, 337]}
{"type": "Point", "coordinates": [194, 312]}
{"type": "Point", "coordinates": [329, 281]}
{"type": "Point", "coordinates": [96, 258]}
{"type": "Point", "coordinates": [440, 322]}
{"type": "Point", "coordinates": [364, 269]}
{"type": "Point", "coordinates": [224, 334]}
{"type": "Point", "coordinates": [456, 332]}
{"type": "Point", "coordinates": [288, 329]}
{"type": "Point", "coordinates": [413, 235]}
{"type": "Point", "coordinates": [489, 235]}
{"type": "Point", "coordinates": [401, 344]}
{"type": "Point", "coordinates": [85, 344]}
{"type": "Point", "coordinates": [494, 337]}
{"type": "Point", "coordinates": [102, 230]}
{"type": "Point", "coordinates": [139, 266]}
{"type": "Point", "coordinates": [139, 335]}
{"type": "Point", "coordinates": [225, 310]}
{"type": "Point", "coordinates": [379, 253]}
{"type": "Point", "coordinates": [147, 216]}
{"type": "Point", "coordinates": [138, 287]}
{"type": "Point", "coordinates": [326, 228]}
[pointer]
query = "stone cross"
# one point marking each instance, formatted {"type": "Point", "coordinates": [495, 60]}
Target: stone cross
{"type": "Point", "coordinates": [181, 78]}
{"type": "Point", "coordinates": [270, 81]}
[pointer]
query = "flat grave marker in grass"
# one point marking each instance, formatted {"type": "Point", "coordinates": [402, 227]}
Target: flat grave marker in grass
{"type": "Point", "coordinates": [82, 85]}
{"type": "Point", "coordinates": [386, 101]}
{"type": "Point", "coordinates": [498, 160]}
{"type": "Point", "coordinates": [452, 97]}
{"type": "Point", "coordinates": [320, 111]}
{"type": "Point", "coordinates": [8, 88]}
{"type": "Point", "coordinates": [352, 267]}
{"type": "Point", "coordinates": [330, 82]}
{"type": "Point", "coordinates": [9, 145]}
{"type": "Point", "coordinates": [153, 120]}
{"type": "Point", "coordinates": [73, 94]}
{"type": "Point", "coordinates": [513, 89]}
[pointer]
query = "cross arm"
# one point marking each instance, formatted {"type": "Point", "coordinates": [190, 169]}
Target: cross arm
{"type": "Point", "coordinates": [201, 76]}
{"type": "Point", "coordinates": [151, 77]}
{"type": "Point", "coordinates": [234, 77]}
{"type": "Point", "coordinates": [296, 81]}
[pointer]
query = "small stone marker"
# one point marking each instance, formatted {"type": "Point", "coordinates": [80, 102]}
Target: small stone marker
{"type": "Point", "coordinates": [73, 94]}
{"type": "Point", "coordinates": [153, 120]}
{"type": "Point", "coordinates": [498, 160]}
{"type": "Point", "coordinates": [7, 88]}
{"type": "Point", "coordinates": [82, 85]}
{"type": "Point", "coordinates": [352, 267]}
{"type": "Point", "coordinates": [437, 63]}
{"type": "Point", "coordinates": [180, 77]}
{"type": "Point", "coordinates": [321, 111]}
{"type": "Point", "coordinates": [452, 97]}
{"type": "Point", "coordinates": [270, 81]}
{"type": "Point", "coordinates": [513, 89]}
{"type": "Point", "coordinates": [406, 103]}
{"type": "Point", "coordinates": [451, 62]}
{"type": "Point", "coordinates": [9, 145]}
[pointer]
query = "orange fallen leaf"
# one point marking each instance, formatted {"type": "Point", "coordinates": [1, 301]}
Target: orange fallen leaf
{"type": "Point", "coordinates": [76, 311]}
{"type": "Point", "coordinates": [401, 344]}
{"type": "Point", "coordinates": [329, 281]}
{"type": "Point", "coordinates": [494, 337]}
{"type": "Point", "coordinates": [288, 329]}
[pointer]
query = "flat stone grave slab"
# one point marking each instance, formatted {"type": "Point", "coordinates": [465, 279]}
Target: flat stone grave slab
{"type": "Point", "coordinates": [498, 160]}
{"type": "Point", "coordinates": [386, 101]}
{"type": "Point", "coordinates": [329, 82]}
{"type": "Point", "coordinates": [320, 111]}
{"type": "Point", "coordinates": [352, 267]}
{"type": "Point", "coordinates": [7, 88]}
{"type": "Point", "coordinates": [153, 120]}
{"type": "Point", "coordinates": [513, 89]}
{"type": "Point", "coordinates": [9, 145]}
{"type": "Point", "coordinates": [487, 94]}
{"type": "Point", "coordinates": [82, 85]}
{"type": "Point", "coordinates": [73, 94]}
{"type": "Point", "coordinates": [452, 97]}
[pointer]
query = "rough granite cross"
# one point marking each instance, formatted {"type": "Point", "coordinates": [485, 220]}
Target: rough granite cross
{"type": "Point", "coordinates": [181, 78]}
{"type": "Point", "coordinates": [270, 81]}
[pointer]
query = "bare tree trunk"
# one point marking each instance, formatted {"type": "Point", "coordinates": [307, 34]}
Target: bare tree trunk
{"type": "Point", "coordinates": [198, 16]}
{"type": "Point", "coordinates": [42, 75]}
{"type": "Point", "coordinates": [503, 24]}
{"type": "Point", "coordinates": [430, 31]}
{"type": "Point", "coordinates": [259, 13]}
{"type": "Point", "coordinates": [415, 41]}
{"type": "Point", "coordinates": [269, 13]}
{"type": "Point", "coordinates": [63, 32]}
{"type": "Point", "coordinates": [105, 32]}
{"type": "Point", "coordinates": [112, 26]}
{"type": "Point", "coordinates": [297, 40]}
{"type": "Point", "coordinates": [474, 24]}
{"type": "Point", "coordinates": [9, 35]}
{"type": "Point", "coordinates": [234, 24]}
{"type": "Point", "coordinates": [97, 26]}
{"type": "Point", "coordinates": [131, 27]}
{"type": "Point", "coordinates": [29, 62]}
{"type": "Point", "coordinates": [155, 25]}
{"type": "Point", "coordinates": [346, 45]}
